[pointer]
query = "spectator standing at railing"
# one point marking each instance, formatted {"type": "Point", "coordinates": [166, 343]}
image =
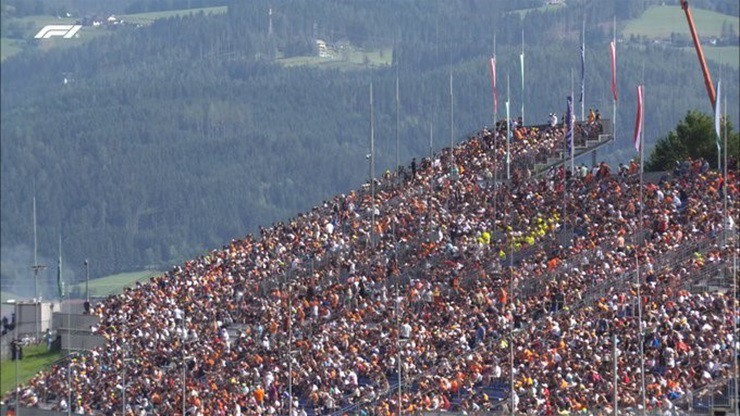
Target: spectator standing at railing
{"type": "Point", "coordinates": [48, 338]}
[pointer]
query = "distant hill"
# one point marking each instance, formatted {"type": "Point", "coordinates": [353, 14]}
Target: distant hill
{"type": "Point", "coordinates": [21, 30]}
{"type": "Point", "coordinates": [659, 22]}
{"type": "Point", "coordinates": [668, 25]}
{"type": "Point", "coordinates": [167, 140]}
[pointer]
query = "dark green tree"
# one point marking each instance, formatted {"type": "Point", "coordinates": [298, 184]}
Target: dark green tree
{"type": "Point", "coordinates": [694, 137]}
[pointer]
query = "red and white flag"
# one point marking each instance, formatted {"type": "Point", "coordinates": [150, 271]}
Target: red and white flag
{"type": "Point", "coordinates": [613, 50]}
{"type": "Point", "coordinates": [493, 84]}
{"type": "Point", "coordinates": [717, 116]}
{"type": "Point", "coordinates": [638, 120]}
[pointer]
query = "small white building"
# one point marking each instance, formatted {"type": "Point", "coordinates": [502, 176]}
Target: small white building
{"type": "Point", "coordinates": [33, 317]}
{"type": "Point", "coordinates": [322, 49]}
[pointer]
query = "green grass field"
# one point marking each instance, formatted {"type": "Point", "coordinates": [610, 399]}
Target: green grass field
{"type": "Point", "coordinates": [33, 23]}
{"type": "Point", "coordinates": [146, 18]}
{"type": "Point", "coordinates": [658, 22]}
{"type": "Point", "coordinates": [9, 47]}
{"type": "Point", "coordinates": [545, 8]}
{"type": "Point", "coordinates": [101, 287]}
{"type": "Point", "coordinates": [728, 55]}
{"type": "Point", "coordinates": [355, 59]}
{"type": "Point", "coordinates": [28, 26]}
{"type": "Point", "coordinates": [35, 358]}
{"type": "Point", "coordinates": [114, 284]}
{"type": "Point", "coordinates": [4, 296]}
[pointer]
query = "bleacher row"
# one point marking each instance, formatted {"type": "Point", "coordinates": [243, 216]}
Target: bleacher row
{"type": "Point", "coordinates": [449, 273]}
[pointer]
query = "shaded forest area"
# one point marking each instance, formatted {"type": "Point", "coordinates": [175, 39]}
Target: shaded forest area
{"type": "Point", "coordinates": [169, 140]}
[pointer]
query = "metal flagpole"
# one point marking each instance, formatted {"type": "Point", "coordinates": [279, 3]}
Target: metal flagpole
{"type": "Point", "coordinates": [398, 123]}
{"type": "Point", "coordinates": [724, 187]}
{"type": "Point", "coordinates": [69, 355]}
{"type": "Point", "coordinates": [718, 115]}
{"type": "Point", "coordinates": [734, 327]}
{"type": "Point", "coordinates": [35, 254]}
{"type": "Point", "coordinates": [566, 122]}
{"type": "Point", "coordinates": [398, 339]}
{"type": "Point", "coordinates": [431, 150]}
{"type": "Point", "coordinates": [511, 326]}
{"type": "Point", "coordinates": [431, 176]}
{"type": "Point", "coordinates": [734, 274]}
{"type": "Point", "coordinates": [521, 59]}
{"type": "Point", "coordinates": [184, 381]}
{"type": "Point", "coordinates": [573, 128]}
{"type": "Point", "coordinates": [583, 69]}
{"type": "Point", "coordinates": [87, 281]}
{"type": "Point", "coordinates": [495, 107]}
{"type": "Point", "coordinates": [637, 260]}
{"type": "Point", "coordinates": [614, 99]}
{"type": "Point", "coordinates": [123, 385]}
{"type": "Point", "coordinates": [69, 330]}
{"type": "Point", "coordinates": [36, 269]}
{"type": "Point", "coordinates": [290, 350]}
{"type": "Point", "coordinates": [372, 167]}
{"type": "Point", "coordinates": [452, 126]}
{"type": "Point", "coordinates": [495, 134]}
{"type": "Point", "coordinates": [508, 132]}
{"type": "Point", "coordinates": [717, 110]}
{"type": "Point", "coordinates": [16, 352]}
{"type": "Point", "coordinates": [616, 375]}
{"type": "Point", "coordinates": [511, 258]}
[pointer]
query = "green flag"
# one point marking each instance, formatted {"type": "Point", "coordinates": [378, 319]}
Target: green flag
{"type": "Point", "coordinates": [60, 281]}
{"type": "Point", "coordinates": [717, 117]}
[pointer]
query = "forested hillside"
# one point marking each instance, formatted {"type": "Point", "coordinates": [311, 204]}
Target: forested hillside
{"type": "Point", "coordinates": [161, 142]}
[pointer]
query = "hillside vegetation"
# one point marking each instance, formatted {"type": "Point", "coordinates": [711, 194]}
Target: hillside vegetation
{"type": "Point", "coordinates": [168, 140]}
{"type": "Point", "coordinates": [659, 22]}
{"type": "Point", "coordinates": [667, 24]}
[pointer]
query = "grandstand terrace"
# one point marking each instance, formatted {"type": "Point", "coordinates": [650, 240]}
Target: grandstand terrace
{"type": "Point", "coordinates": [441, 278]}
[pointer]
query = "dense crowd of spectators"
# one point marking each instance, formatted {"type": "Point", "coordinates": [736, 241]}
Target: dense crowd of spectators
{"type": "Point", "coordinates": [446, 274]}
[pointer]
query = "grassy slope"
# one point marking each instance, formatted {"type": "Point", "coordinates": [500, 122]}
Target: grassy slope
{"type": "Point", "coordinates": [104, 286]}
{"type": "Point", "coordinates": [33, 24]}
{"type": "Point", "coordinates": [113, 284]}
{"type": "Point", "coordinates": [728, 55]}
{"type": "Point", "coordinates": [355, 60]}
{"type": "Point", "coordinates": [145, 18]}
{"type": "Point", "coordinates": [35, 358]}
{"type": "Point", "coordinates": [5, 296]}
{"type": "Point", "coordinates": [9, 47]}
{"type": "Point", "coordinates": [658, 22]}
{"type": "Point", "coordinates": [545, 8]}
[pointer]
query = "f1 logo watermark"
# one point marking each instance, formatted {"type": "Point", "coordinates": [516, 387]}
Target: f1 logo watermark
{"type": "Point", "coordinates": [65, 31]}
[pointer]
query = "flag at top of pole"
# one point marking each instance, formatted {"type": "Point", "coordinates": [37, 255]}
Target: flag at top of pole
{"type": "Point", "coordinates": [583, 71]}
{"type": "Point", "coordinates": [60, 279]}
{"type": "Point", "coordinates": [717, 113]}
{"type": "Point", "coordinates": [569, 126]}
{"type": "Point", "coordinates": [613, 50]}
{"type": "Point", "coordinates": [521, 62]}
{"type": "Point", "coordinates": [638, 120]}
{"type": "Point", "coordinates": [493, 84]}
